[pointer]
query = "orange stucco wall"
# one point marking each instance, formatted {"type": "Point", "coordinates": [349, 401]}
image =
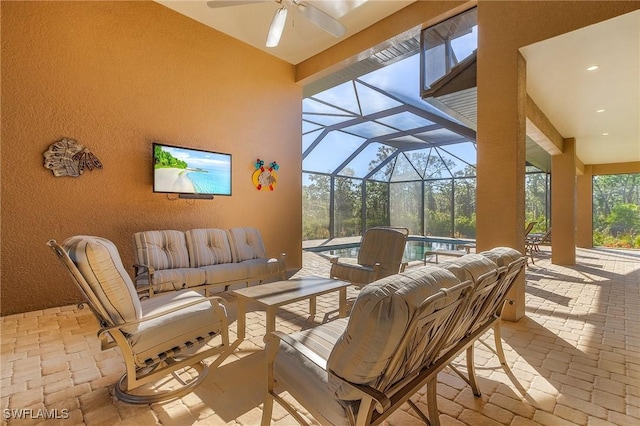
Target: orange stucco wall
{"type": "Point", "coordinates": [117, 76]}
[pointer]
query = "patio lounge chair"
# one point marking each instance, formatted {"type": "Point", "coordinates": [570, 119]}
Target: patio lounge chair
{"type": "Point", "coordinates": [529, 228]}
{"type": "Point", "coordinates": [380, 255]}
{"type": "Point", "coordinates": [532, 243]}
{"type": "Point", "coordinates": [169, 334]}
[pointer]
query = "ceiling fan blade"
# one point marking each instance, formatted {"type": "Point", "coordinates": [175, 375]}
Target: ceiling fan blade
{"type": "Point", "coordinates": [322, 19]}
{"type": "Point", "coordinates": [277, 27]}
{"type": "Point", "coordinates": [226, 3]}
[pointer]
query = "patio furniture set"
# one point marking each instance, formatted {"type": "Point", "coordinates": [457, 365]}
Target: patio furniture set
{"type": "Point", "coordinates": [402, 329]}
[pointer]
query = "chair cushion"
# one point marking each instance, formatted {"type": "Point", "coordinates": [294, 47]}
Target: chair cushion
{"type": "Point", "coordinates": [307, 378]}
{"type": "Point", "coordinates": [173, 279]}
{"type": "Point", "coordinates": [261, 268]}
{"type": "Point", "coordinates": [385, 246]}
{"type": "Point", "coordinates": [246, 243]}
{"type": "Point", "coordinates": [470, 267]}
{"type": "Point", "coordinates": [378, 322]}
{"type": "Point", "coordinates": [99, 262]}
{"type": "Point", "coordinates": [208, 247]}
{"type": "Point", "coordinates": [225, 273]}
{"type": "Point", "coordinates": [355, 274]}
{"type": "Point", "coordinates": [174, 329]}
{"type": "Point", "coordinates": [502, 256]}
{"type": "Point", "coordinates": [161, 249]}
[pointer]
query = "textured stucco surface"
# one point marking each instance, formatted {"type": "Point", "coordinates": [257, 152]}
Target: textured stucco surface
{"type": "Point", "coordinates": [117, 76]}
{"type": "Point", "coordinates": [505, 27]}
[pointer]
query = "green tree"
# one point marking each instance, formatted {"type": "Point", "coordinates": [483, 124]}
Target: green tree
{"type": "Point", "coordinates": [348, 206]}
{"type": "Point", "coordinates": [315, 206]}
{"type": "Point", "coordinates": [624, 219]}
{"type": "Point", "coordinates": [616, 200]}
{"type": "Point", "coordinates": [536, 190]}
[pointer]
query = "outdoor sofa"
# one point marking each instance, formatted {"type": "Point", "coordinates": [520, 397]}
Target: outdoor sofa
{"type": "Point", "coordinates": [403, 329]}
{"type": "Point", "coordinates": [209, 258]}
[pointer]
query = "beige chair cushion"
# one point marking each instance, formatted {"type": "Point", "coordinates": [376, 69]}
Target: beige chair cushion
{"type": "Point", "coordinates": [246, 243]}
{"type": "Point", "coordinates": [226, 273]}
{"type": "Point", "coordinates": [307, 377]}
{"type": "Point", "coordinates": [470, 267]}
{"type": "Point", "coordinates": [385, 246]}
{"type": "Point", "coordinates": [502, 256]}
{"type": "Point", "coordinates": [353, 273]}
{"type": "Point", "coordinates": [378, 322]}
{"type": "Point", "coordinates": [173, 279]}
{"type": "Point", "coordinates": [161, 249]}
{"type": "Point", "coordinates": [173, 330]}
{"type": "Point", "coordinates": [99, 262]}
{"type": "Point", "coordinates": [261, 268]}
{"type": "Point", "coordinates": [208, 247]}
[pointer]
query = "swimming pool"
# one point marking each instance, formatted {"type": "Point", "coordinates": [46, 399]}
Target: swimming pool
{"type": "Point", "coordinates": [414, 249]}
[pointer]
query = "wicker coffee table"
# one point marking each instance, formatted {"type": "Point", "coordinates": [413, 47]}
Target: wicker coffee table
{"type": "Point", "coordinates": [273, 295]}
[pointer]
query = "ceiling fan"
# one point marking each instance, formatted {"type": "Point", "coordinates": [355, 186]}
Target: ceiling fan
{"type": "Point", "coordinates": [312, 13]}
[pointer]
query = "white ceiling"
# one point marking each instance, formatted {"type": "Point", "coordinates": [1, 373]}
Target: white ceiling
{"type": "Point", "coordinates": [557, 79]}
{"type": "Point", "coordinates": [301, 38]}
{"type": "Point", "coordinates": [570, 96]}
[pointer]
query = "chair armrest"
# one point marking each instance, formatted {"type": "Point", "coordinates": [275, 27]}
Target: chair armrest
{"type": "Point", "coordinates": [216, 299]}
{"type": "Point", "coordinates": [140, 268]}
{"type": "Point", "coordinates": [382, 401]}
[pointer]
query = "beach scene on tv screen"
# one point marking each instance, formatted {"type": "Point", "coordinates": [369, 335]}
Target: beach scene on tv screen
{"type": "Point", "coordinates": [182, 170]}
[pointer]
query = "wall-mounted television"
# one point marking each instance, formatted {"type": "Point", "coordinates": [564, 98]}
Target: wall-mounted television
{"type": "Point", "coordinates": [189, 172]}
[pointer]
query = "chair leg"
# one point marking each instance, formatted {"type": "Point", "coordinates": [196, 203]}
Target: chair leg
{"type": "Point", "coordinates": [267, 410]}
{"type": "Point", "coordinates": [471, 372]}
{"type": "Point", "coordinates": [142, 395]}
{"type": "Point", "coordinates": [498, 340]}
{"type": "Point", "coordinates": [419, 412]}
{"type": "Point", "coordinates": [432, 402]}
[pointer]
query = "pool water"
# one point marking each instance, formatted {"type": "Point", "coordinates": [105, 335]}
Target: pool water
{"type": "Point", "coordinates": [414, 250]}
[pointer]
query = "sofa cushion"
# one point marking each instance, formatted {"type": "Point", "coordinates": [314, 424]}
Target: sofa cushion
{"type": "Point", "coordinates": [225, 273]}
{"type": "Point", "coordinates": [184, 325]}
{"type": "Point", "coordinates": [246, 243]}
{"type": "Point", "coordinates": [378, 322]}
{"type": "Point", "coordinates": [173, 279]}
{"type": "Point", "coordinates": [502, 256]}
{"type": "Point", "coordinates": [262, 268]}
{"type": "Point", "coordinates": [99, 262]}
{"type": "Point", "coordinates": [161, 249]}
{"type": "Point", "coordinates": [470, 267]}
{"type": "Point", "coordinates": [309, 376]}
{"type": "Point", "coordinates": [208, 247]}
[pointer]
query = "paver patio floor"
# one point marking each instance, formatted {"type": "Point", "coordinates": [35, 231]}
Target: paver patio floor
{"type": "Point", "coordinates": [575, 359]}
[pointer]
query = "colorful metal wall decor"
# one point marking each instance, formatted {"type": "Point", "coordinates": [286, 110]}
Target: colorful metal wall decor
{"type": "Point", "coordinates": [265, 178]}
{"type": "Point", "coordinates": [68, 158]}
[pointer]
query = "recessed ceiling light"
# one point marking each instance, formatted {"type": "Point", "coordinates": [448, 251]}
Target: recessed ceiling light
{"type": "Point", "coordinates": [600, 110]}
{"type": "Point", "coordinates": [593, 68]}
{"type": "Point", "coordinates": [605, 134]}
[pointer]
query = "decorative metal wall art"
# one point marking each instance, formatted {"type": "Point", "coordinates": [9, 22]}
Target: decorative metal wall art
{"type": "Point", "coordinates": [69, 158]}
{"type": "Point", "coordinates": [265, 177]}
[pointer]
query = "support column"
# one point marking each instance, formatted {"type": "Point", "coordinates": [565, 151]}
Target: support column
{"type": "Point", "coordinates": [584, 235]}
{"type": "Point", "coordinates": [501, 151]}
{"type": "Point", "coordinates": [563, 205]}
